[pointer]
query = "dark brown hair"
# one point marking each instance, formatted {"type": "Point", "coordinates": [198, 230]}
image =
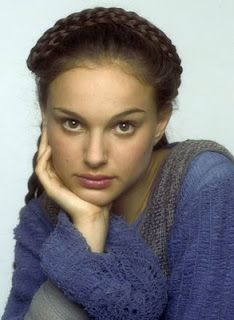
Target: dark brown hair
{"type": "Point", "coordinates": [103, 35]}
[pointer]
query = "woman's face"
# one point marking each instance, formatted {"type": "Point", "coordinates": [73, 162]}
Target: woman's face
{"type": "Point", "coordinates": [101, 121]}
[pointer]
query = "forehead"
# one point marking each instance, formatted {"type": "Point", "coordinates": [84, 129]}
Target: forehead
{"type": "Point", "coordinates": [99, 86]}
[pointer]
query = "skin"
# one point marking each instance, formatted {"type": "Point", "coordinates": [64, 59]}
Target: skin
{"type": "Point", "coordinates": [98, 139]}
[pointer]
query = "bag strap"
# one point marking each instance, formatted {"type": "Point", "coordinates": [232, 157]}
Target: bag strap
{"type": "Point", "coordinates": [158, 217]}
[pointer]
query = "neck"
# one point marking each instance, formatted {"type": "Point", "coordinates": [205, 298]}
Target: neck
{"type": "Point", "coordinates": [126, 205]}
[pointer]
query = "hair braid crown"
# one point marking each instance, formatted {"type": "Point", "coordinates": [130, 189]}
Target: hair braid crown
{"type": "Point", "coordinates": [65, 27]}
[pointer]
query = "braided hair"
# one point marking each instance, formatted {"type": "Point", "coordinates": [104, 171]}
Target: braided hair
{"type": "Point", "coordinates": [98, 35]}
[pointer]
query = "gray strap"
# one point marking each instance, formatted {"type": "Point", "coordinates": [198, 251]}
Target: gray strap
{"type": "Point", "coordinates": [159, 216]}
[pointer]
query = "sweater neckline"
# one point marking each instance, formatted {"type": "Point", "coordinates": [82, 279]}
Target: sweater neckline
{"type": "Point", "coordinates": [156, 180]}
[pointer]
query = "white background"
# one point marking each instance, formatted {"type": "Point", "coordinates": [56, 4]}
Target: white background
{"type": "Point", "coordinates": [203, 32]}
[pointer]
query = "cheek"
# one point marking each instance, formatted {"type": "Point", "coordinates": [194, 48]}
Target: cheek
{"type": "Point", "coordinates": [62, 151]}
{"type": "Point", "coordinates": [134, 158]}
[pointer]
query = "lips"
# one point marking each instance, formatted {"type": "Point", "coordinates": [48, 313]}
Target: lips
{"type": "Point", "coordinates": [95, 181]}
{"type": "Point", "coordinates": [95, 177]}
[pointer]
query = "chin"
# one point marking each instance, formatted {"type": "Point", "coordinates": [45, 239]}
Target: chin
{"type": "Point", "coordinates": [94, 197]}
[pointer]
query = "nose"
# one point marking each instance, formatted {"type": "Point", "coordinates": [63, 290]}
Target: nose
{"type": "Point", "coordinates": [95, 154]}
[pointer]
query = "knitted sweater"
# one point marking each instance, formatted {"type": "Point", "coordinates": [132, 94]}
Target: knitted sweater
{"type": "Point", "coordinates": [126, 281]}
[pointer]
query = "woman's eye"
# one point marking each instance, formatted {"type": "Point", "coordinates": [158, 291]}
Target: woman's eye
{"type": "Point", "coordinates": [71, 124]}
{"type": "Point", "coordinates": [125, 127]}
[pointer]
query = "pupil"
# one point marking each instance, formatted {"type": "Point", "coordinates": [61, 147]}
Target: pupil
{"type": "Point", "coordinates": [124, 126]}
{"type": "Point", "coordinates": [73, 123]}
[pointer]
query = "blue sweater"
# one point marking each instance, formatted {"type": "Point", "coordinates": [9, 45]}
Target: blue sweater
{"type": "Point", "coordinates": [126, 281]}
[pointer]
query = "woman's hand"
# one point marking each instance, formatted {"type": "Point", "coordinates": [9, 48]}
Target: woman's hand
{"type": "Point", "coordinates": [90, 219]}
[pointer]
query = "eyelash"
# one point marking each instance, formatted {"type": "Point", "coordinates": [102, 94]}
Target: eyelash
{"type": "Point", "coordinates": [132, 124]}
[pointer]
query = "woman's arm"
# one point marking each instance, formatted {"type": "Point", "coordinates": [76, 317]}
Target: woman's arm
{"type": "Point", "coordinates": [119, 281]}
{"type": "Point", "coordinates": [124, 282]}
{"type": "Point", "coordinates": [201, 246]}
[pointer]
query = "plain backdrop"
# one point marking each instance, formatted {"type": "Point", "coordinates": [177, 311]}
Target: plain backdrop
{"type": "Point", "coordinates": [203, 32]}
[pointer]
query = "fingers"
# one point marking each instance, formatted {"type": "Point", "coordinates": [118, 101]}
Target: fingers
{"type": "Point", "coordinates": [43, 158]}
{"type": "Point", "coordinates": [50, 167]}
{"type": "Point", "coordinates": [43, 143]}
{"type": "Point", "coordinates": [42, 166]}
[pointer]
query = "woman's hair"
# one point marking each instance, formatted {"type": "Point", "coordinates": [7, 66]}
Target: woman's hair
{"type": "Point", "coordinates": [101, 36]}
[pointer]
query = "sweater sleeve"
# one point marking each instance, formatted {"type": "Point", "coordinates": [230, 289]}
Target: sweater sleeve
{"type": "Point", "coordinates": [123, 282]}
{"type": "Point", "coordinates": [27, 276]}
{"type": "Point", "coordinates": [201, 245]}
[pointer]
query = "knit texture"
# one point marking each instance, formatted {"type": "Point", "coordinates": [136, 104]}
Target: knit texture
{"type": "Point", "coordinates": [126, 281]}
{"type": "Point", "coordinates": [158, 217]}
{"type": "Point", "coordinates": [201, 243]}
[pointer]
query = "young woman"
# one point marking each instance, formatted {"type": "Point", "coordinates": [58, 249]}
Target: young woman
{"type": "Point", "coordinates": [119, 223]}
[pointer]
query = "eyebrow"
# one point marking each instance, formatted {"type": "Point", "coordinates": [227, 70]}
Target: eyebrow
{"type": "Point", "coordinates": [77, 115]}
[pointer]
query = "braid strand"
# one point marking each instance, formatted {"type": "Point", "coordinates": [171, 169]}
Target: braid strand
{"type": "Point", "coordinates": [65, 27]}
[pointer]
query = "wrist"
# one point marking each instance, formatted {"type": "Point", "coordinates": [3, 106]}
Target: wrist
{"type": "Point", "coordinates": [90, 218]}
{"type": "Point", "coordinates": [94, 229]}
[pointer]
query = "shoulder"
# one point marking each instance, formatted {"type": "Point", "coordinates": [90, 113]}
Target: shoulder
{"type": "Point", "coordinates": [33, 211]}
{"type": "Point", "coordinates": [205, 201]}
{"type": "Point", "coordinates": [210, 163]}
{"type": "Point", "coordinates": [207, 193]}
{"type": "Point", "coordinates": [207, 169]}
{"type": "Point", "coordinates": [33, 226]}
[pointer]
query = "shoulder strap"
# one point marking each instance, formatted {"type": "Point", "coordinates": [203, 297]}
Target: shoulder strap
{"type": "Point", "coordinates": [159, 215]}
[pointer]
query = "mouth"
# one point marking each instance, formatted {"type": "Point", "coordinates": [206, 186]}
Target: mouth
{"type": "Point", "coordinates": [95, 182]}
{"type": "Point", "coordinates": [95, 177]}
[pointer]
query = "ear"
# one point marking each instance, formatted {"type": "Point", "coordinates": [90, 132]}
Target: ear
{"type": "Point", "coordinates": [163, 118]}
